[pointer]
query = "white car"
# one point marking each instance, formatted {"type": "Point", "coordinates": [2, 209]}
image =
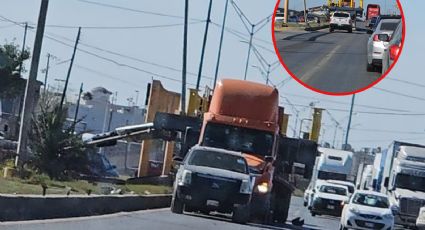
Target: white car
{"type": "Point", "coordinates": [341, 21]}
{"type": "Point", "coordinates": [329, 199]}
{"type": "Point", "coordinates": [420, 222]}
{"type": "Point", "coordinates": [378, 42]}
{"type": "Point", "coordinates": [350, 185]}
{"type": "Point", "coordinates": [309, 192]}
{"type": "Point", "coordinates": [367, 210]}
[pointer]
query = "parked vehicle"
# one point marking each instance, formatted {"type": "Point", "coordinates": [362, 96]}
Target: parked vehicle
{"type": "Point", "coordinates": [212, 179]}
{"type": "Point", "coordinates": [378, 41]}
{"type": "Point", "coordinates": [404, 180]}
{"type": "Point", "coordinates": [279, 17]}
{"type": "Point", "coordinates": [380, 17]}
{"type": "Point", "coordinates": [392, 51]}
{"type": "Point", "coordinates": [341, 21]}
{"type": "Point", "coordinates": [367, 210]}
{"type": "Point", "coordinates": [420, 222]}
{"type": "Point", "coordinates": [99, 166]}
{"type": "Point", "coordinates": [328, 199]}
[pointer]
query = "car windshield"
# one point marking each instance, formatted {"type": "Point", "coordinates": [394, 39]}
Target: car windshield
{"type": "Point", "coordinates": [388, 26]}
{"type": "Point", "coordinates": [370, 200]}
{"type": "Point", "coordinates": [341, 15]}
{"type": "Point", "coordinates": [238, 139]}
{"type": "Point", "coordinates": [218, 160]}
{"type": "Point", "coordinates": [414, 183]}
{"type": "Point", "coordinates": [333, 190]}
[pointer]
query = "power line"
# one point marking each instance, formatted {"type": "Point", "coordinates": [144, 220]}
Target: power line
{"type": "Point", "coordinates": [388, 131]}
{"type": "Point", "coordinates": [399, 94]}
{"type": "Point", "coordinates": [119, 27]}
{"type": "Point", "coordinates": [137, 11]}
{"type": "Point", "coordinates": [406, 82]}
{"type": "Point", "coordinates": [344, 103]}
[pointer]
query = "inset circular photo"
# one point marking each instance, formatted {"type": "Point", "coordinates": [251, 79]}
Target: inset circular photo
{"type": "Point", "coordinates": [339, 48]}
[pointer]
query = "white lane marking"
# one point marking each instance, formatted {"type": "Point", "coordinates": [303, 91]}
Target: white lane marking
{"type": "Point", "coordinates": [313, 71]}
{"type": "Point", "coordinates": [82, 218]}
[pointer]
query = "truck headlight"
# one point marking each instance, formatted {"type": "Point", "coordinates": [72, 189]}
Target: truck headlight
{"type": "Point", "coordinates": [263, 187]}
{"type": "Point", "coordinates": [245, 187]}
{"type": "Point", "coordinates": [186, 178]}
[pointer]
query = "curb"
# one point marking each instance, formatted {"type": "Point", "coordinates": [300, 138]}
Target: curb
{"type": "Point", "coordinates": [19, 208]}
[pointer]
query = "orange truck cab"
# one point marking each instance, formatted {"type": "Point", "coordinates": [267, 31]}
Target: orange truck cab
{"type": "Point", "coordinates": [243, 117]}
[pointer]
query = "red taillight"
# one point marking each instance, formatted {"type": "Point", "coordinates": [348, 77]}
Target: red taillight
{"type": "Point", "coordinates": [394, 50]}
{"type": "Point", "coordinates": [376, 38]}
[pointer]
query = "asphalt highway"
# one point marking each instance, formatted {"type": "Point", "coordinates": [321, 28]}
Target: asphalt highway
{"type": "Point", "coordinates": [332, 62]}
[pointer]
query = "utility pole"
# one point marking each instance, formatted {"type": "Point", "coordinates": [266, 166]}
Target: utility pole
{"type": "Point", "coordinates": [203, 46]}
{"type": "Point", "coordinates": [30, 89]}
{"type": "Point", "coordinates": [285, 11]}
{"type": "Point", "coordinates": [23, 47]}
{"type": "Point", "coordinates": [221, 43]}
{"type": "Point", "coordinates": [336, 130]}
{"type": "Point", "coordinates": [183, 97]}
{"type": "Point", "coordinates": [69, 70]}
{"type": "Point", "coordinates": [137, 97]}
{"type": "Point", "coordinates": [305, 13]}
{"type": "Point", "coordinates": [47, 72]}
{"type": "Point", "coordinates": [349, 120]}
{"type": "Point", "coordinates": [78, 107]}
{"type": "Point", "coordinates": [251, 34]}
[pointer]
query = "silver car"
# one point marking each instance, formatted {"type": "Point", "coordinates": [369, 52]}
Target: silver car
{"type": "Point", "coordinates": [393, 48]}
{"type": "Point", "coordinates": [378, 42]}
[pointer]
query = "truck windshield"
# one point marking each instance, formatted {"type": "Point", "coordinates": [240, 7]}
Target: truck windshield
{"type": "Point", "coordinates": [410, 182]}
{"type": "Point", "coordinates": [333, 190]}
{"type": "Point", "coordinates": [323, 175]}
{"type": "Point", "coordinates": [218, 160]}
{"type": "Point", "coordinates": [238, 139]}
{"type": "Point", "coordinates": [371, 200]}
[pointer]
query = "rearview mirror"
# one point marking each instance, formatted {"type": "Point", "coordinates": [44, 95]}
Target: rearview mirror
{"type": "Point", "coordinates": [383, 37]}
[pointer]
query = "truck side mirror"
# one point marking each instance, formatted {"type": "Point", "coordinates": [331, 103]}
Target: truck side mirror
{"type": "Point", "coordinates": [386, 181]}
{"type": "Point", "coordinates": [394, 210]}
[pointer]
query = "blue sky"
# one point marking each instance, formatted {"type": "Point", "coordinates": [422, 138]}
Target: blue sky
{"type": "Point", "coordinates": [163, 46]}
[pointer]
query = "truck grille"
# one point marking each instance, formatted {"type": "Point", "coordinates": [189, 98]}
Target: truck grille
{"type": "Point", "coordinates": [215, 187]}
{"type": "Point", "coordinates": [411, 206]}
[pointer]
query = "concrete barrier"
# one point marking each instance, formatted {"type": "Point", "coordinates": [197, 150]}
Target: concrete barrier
{"type": "Point", "coordinates": [18, 208]}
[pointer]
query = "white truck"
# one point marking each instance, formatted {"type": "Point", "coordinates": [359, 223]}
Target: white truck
{"type": "Point", "coordinates": [331, 164]}
{"type": "Point", "coordinates": [404, 180]}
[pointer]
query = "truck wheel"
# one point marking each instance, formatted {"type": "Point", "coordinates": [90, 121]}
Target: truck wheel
{"type": "Point", "coordinates": [342, 227]}
{"type": "Point", "coordinates": [177, 206]}
{"type": "Point", "coordinates": [241, 214]}
{"type": "Point", "coordinates": [313, 213]}
{"type": "Point", "coordinates": [281, 203]}
{"type": "Point", "coordinates": [305, 204]}
{"type": "Point", "coordinates": [331, 30]}
{"type": "Point", "coordinates": [350, 30]}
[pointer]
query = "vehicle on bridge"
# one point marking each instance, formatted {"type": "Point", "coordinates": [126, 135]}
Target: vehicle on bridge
{"type": "Point", "coordinates": [378, 42]}
{"type": "Point", "coordinates": [404, 180]}
{"type": "Point", "coordinates": [367, 210]}
{"type": "Point", "coordinates": [341, 21]}
{"type": "Point", "coordinates": [328, 199]}
{"type": "Point", "coordinates": [212, 179]}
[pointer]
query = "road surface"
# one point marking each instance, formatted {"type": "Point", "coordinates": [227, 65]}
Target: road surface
{"type": "Point", "coordinates": [332, 62]}
{"type": "Point", "coordinates": [164, 219]}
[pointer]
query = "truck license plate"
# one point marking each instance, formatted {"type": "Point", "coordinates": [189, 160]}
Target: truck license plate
{"type": "Point", "coordinates": [370, 225]}
{"type": "Point", "coordinates": [331, 207]}
{"type": "Point", "coordinates": [212, 203]}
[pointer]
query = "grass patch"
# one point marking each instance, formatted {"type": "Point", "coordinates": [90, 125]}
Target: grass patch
{"type": "Point", "coordinates": [34, 184]}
